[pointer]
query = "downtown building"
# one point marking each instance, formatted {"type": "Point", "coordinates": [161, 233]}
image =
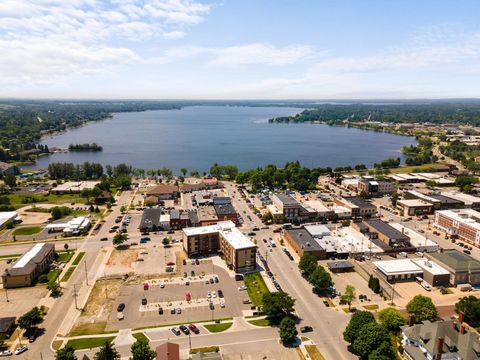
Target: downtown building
{"type": "Point", "coordinates": [238, 250]}
{"type": "Point", "coordinates": [464, 223]}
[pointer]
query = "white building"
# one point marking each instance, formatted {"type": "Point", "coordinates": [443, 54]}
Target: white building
{"type": "Point", "coordinates": [74, 186]}
{"type": "Point", "coordinates": [419, 241]}
{"type": "Point", "coordinates": [7, 216]}
{"type": "Point", "coordinates": [74, 226]}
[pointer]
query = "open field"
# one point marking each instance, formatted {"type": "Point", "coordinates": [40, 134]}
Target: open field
{"type": "Point", "coordinates": [27, 230]}
{"type": "Point", "coordinates": [256, 287]}
{"type": "Point", "coordinates": [89, 343]}
{"type": "Point", "coordinates": [19, 200]}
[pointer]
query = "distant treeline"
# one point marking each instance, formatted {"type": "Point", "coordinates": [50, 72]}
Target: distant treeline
{"type": "Point", "coordinates": [85, 147]}
{"type": "Point", "coordinates": [467, 112]}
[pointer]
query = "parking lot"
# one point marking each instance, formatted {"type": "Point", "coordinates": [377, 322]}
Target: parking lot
{"type": "Point", "coordinates": [173, 295]}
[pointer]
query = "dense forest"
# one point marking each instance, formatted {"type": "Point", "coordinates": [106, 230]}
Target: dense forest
{"type": "Point", "coordinates": [440, 112]}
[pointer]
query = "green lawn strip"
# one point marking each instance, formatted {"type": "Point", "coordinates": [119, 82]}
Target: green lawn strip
{"type": "Point", "coordinates": [78, 258]}
{"type": "Point", "coordinates": [313, 352]}
{"type": "Point", "coordinates": [19, 200]}
{"type": "Point", "coordinates": [265, 322]}
{"type": "Point", "coordinates": [140, 336]}
{"type": "Point", "coordinates": [207, 349]}
{"type": "Point", "coordinates": [180, 323]}
{"type": "Point", "coordinates": [27, 230]}
{"type": "Point", "coordinates": [256, 287]}
{"type": "Point", "coordinates": [90, 329]}
{"type": "Point", "coordinates": [11, 256]}
{"type": "Point", "coordinates": [89, 343]}
{"type": "Point", "coordinates": [214, 328]}
{"type": "Point", "coordinates": [65, 256]}
{"type": "Point", "coordinates": [68, 273]}
{"type": "Point", "coordinates": [53, 274]}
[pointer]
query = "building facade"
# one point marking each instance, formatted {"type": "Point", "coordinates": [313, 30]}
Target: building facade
{"type": "Point", "coordinates": [463, 223]}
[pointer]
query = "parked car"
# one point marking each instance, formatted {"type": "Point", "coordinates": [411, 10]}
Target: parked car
{"type": "Point", "coordinates": [172, 310]}
{"type": "Point", "coordinates": [185, 274]}
{"type": "Point", "coordinates": [194, 329]}
{"type": "Point", "coordinates": [120, 307]}
{"type": "Point", "coordinates": [178, 311]}
{"type": "Point", "coordinates": [197, 262]}
{"type": "Point", "coordinates": [238, 277]}
{"type": "Point", "coordinates": [144, 301]}
{"type": "Point", "coordinates": [104, 239]}
{"type": "Point", "coordinates": [160, 311]}
{"type": "Point", "coordinates": [170, 263]}
{"type": "Point", "coordinates": [212, 306]}
{"type": "Point", "coordinates": [305, 329]}
{"type": "Point", "coordinates": [247, 301]}
{"type": "Point", "coordinates": [21, 349]}
{"type": "Point", "coordinates": [192, 273]}
{"type": "Point", "coordinates": [184, 329]}
{"type": "Point", "coordinates": [176, 331]}
{"type": "Point", "coordinates": [6, 353]}
{"type": "Point", "coordinates": [468, 252]}
{"type": "Point", "coordinates": [242, 288]}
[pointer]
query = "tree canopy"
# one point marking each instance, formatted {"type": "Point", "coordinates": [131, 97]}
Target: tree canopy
{"type": "Point", "coordinates": [287, 330]}
{"type": "Point", "coordinates": [307, 264]}
{"type": "Point", "coordinates": [30, 319]}
{"type": "Point", "coordinates": [107, 352]}
{"type": "Point", "coordinates": [391, 318]}
{"type": "Point", "coordinates": [369, 338]}
{"type": "Point", "coordinates": [66, 353]}
{"type": "Point", "coordinates": [422, 308]}
{"type": "Point", "coordinates": [141, 350]}
{"type": "Point", "coordinates": [277, 303]}
{"type": "Point", "coordinates": [470, 306]}
{"type": "Point", "coordinates": [357, 321]}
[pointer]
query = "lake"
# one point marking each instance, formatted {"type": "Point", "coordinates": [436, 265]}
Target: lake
{"type": "Point", "coordinates": [196, 137]}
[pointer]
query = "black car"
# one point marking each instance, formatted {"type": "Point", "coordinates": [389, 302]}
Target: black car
{"type": "Point", "coordinates": [212, 306]}
{"type": "Point", "coordinates": [184, 329]}
{"type": "Point", "coordinates": [104, 239]}
{"type": "Point", "coordinates": [144, 301]}
{"type": "Point", "coordinates": [326, 303]}
{"type": "Point", "coordinates": [121, 307]}
{"type": "Point", "coordinates": [215, 279]}
{"type": "Point", "coordinates": [170, 232]}
{"type": "Point", "coordinates": [220, 293]}
{"type": "Point", "coordinates": [160, 311]}
{"type": "Point", "coordinates": [238, 277]}
{"type": "Point", "coordinates": [468, 252]}
{"type": "Point", "coordinates": [305, 329]}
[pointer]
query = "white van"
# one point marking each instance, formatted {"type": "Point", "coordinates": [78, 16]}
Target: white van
{"type": "Point", "coordinates": [272, 243]}
{"type": "Point", "coordinates": [426, 286]}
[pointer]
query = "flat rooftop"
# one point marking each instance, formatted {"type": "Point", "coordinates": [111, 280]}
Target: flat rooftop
{"type": "Point", "coordinates": [385, 229]}
{"type": "Point", "coordinates": [416, 239]}
{"type": "Point", "coordinates": [456, 260]}
{"type": "Point", "coordinates": [430, 266]}
{"type": "Point", "coordinates": [414, 203]}
{"type": "Point", "coordinates": [304, 240]}
{"type": "Point", "coordinates": [75, 186]}
{"type": "Point", "coordinates": [398, 267]}
{"type": "Point", "coordinates": [317, 230]}
{"type": "Point", "coordinates": [466, 198]}
{"type": "Point", "coordinates": [464, 216]}
{"type": "Point", "coordinates": [286, 199]}
{"type": "Point", "coordinates": [317, 205]}
{"type": "Point", "coordinates": [225, 228]}
{"type": "Point", "coordinates": [358, 201]}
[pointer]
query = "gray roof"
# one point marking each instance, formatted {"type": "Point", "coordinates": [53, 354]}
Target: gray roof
{"type": "Point", "coordinates": [387, 230]}
{"type": "Point", "coordinates": [467, 345]}
{"type": "Point", "coordinates": [221, 200]}
{"type": "Point", "coordinates": [303, 238]}
{"type": "Point", "coordinates": [226, 209]}
{"type": "Point", "coordinates": [6, 324]}
{"type": "Point", "coordinates": [358, 201]}
{"type": "Point", "coordinates": [150, 217]}
{"type": "Point", "coordinates": [446, 200]}
{"type": "Point", "coordinates": [286, 199]}
{"type": "Point", "coordinates": [456, 260]}
{"type": "Point", "coordinates": [340, 265]}
{"type": "Point", "coordinates": [32, 263]}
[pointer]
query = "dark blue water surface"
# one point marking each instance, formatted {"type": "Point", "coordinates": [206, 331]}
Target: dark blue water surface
{"type": "Point", "coordinates": [196, 137]}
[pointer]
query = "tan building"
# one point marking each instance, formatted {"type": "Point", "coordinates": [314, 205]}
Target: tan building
{"type": "Point", "coordinates": [207, 216]}
{"type": "Point", "coordinates": [464, 223]}
{"type": "Point", "coordinates": [163, 192]}
{"type": "Point", "coordinates": [239, 251]}
{"type": "Point", "coordinates": [302, 243]}
{"type": "Point", "coordinates": [28, 267]}
{"type": "Point", "coordinates": [412, 207]}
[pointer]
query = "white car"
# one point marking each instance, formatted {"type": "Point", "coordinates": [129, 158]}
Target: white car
{"type": "Point", "coordinates": [162, 284]}
{"type": "Point", "coordinates": [6, 353]}
{"type": "Point", "coordinates": [242, 288]}
{"type": "Point", "coordinates": [209, 295]}
{"type": "Point", "coordinates": [21, 349]}
{"type": "Point", "coordinates": [214, 294]}
{"type": "Point", "coordinates": [222, 303]}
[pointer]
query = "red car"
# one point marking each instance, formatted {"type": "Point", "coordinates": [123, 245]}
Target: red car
{"type": "Point", "coordinates": [184, 262]}
{"type": "Point", "coordinates": [277, 230]}
{"type": "Point", "coordinates": [171, 263]}
{"type": "Point", "coordinates": [193, 329]}
{"type": "Point", "coordinates": [197, 262]}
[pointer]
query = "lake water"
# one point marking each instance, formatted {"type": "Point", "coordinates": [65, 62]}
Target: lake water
{"type": "Point", "coordinates": [196, 137]}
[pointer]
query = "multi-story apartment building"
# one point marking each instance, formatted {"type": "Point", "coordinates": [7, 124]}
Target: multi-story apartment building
{"type": "Point", "coordinates": [464, 223]}
{"type": "Point", "coordinates": [373, 187]}
{"type": "Point", "coordinates": [288, 206]}
{"type": "Point", "coordinates": [358, 206]}
{"type": "Point", "coordinates": [239, 251]}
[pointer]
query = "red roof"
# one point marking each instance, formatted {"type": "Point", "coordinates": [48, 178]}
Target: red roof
{"type": "Point", "coordinates": [168, 351]}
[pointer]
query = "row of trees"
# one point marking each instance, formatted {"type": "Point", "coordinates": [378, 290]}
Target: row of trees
{"type": "Point", "coordinates": [316, 275]}
{"type": "Point", "coordinates": [279, 305]}
{"type": "Point", "coordinates": [140, 349]}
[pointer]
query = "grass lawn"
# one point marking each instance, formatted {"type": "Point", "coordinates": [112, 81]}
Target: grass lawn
{"type": "Point", "coordinates": [65, 256]}
{"type": "Point", "coordinates": [89, 343]}
{"type": "Point", "coordinates": [416, 168]}
{"type": "Point", "coordinates": [19, 200]}
{"type": "Point", "coordinates": [140, 336]}
{"type": "Point", "coordinates": [256, 287]}
{"type": "Point", "coordinates": [78, 258]}
{"type": "Point", "coordinates": [53, 274]}
{"type": "Point", "coordinates": [89, 329]}
{"type": "Point", "coordinates": [56, 344]}
{"type": "Point", "coordinates": [314, 352]}
{"type": "Point", "coordinates": [214, 328]}
{"type": "Point", "coordinates": [207, 349]}
{"type": "Point", "coordinates": [10, 256]}
{"type": "Point", "coordinates": [371, 307]}
{"type": "Point", "coordinates": [265, 322]}
{"type": "Point", "coordinates": [27, 230]}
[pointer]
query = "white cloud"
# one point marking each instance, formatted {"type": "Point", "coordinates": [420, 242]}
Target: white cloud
{"type": "Point", "coordinates": [45, 40]}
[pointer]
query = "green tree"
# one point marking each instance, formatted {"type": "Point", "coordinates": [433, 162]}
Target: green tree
{"type": "Point", "coordinates": [391, 318]}
{"type": "Point", "coordinates": [277, 303]}
{"type": "Point", "coordinates": [10, 180]}
{"type": "Point", "coordinates": [119, 239]}
{"type": "Point", "coordinates": [122, 181]}
{"type": "Point", "coordinates": [166, 241]}
{"type": "Point", "coordinates": [307, 264]}
{"type": "Point", "coordinates": [320, 279]}
{"type": "Point", "coordinates": [287, 330]}
{"type": "Point", "coordinates": [383, 352]}
{"type": "Point", "coordinates": [267, 217]}
{"type": "Point", "coordinates": [107, 352]}
{"type": "Point", "coordinates": [87, 194]}
{"type": "Point", "coordinates": [54, 288]}
{"type": "Point", "coordinates": [422, 308]}
{"type": "Point", "coordinates": [66, 353]}
{"type": "Point", "coordinates": [349, 295]}
{"type": "Point", "coordinates": [142, 351]}
{"type": "Point", "coordinates": [369, 338]}
{"type": "Point", "coordinates": [183, 171]}
{"type": "Point", "coordinates": [470, 306]}
{"type": "Point", "coordinates": [357, 321]}
{"type": "Point", "coordinates": [30, 319]}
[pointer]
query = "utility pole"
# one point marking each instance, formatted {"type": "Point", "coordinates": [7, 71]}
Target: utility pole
{"type": "Point", "coordinates": [75, 296]}
{"type": "Point", "coordinates": [190, 340]}
{"type": "Point", "coordinates": [86, 272]}
{"type": "Point", "coordinates": [393, 292]}
{"type": "Point", "coordinates": [6, 294]}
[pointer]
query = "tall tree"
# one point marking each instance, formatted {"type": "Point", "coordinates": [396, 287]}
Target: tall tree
{"type": "Point", "coordinates": [30, 319]}
{"type": "Point", "coordinates": [66, 353]}
{"type": "Point", "coordinates": [357, 321]}
{"type": "Point", "coordinates": [107, 352]}
{"type": "Point", "coordinates": [391, 318]}
{"type": "Point", "coordinates": [287, 330]}
{"type": "Point", "coordinates": [307, 264]}
{"type": "Point", "coordinates": [470, 306]}
{"type": "Point", "coordinates": [320, 279]}
{"type": "Point", "coordinates": [277, 303]}
{"type": "Point", "coordinates": [369, 338]}
{"type": "Point", "coordinates": [10, 180]}
{"type": "Point", "coordinates": [422, 308]}
{"type": "Point", "coordinates": [142, 351]}
{"type": "Point", "coordinates": [183, 171]}
{"type": "Point", "coordinates": [349, 295]}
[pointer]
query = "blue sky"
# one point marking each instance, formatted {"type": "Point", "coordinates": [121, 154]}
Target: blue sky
{"type": "Point", "coordinates": [226, 49]}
